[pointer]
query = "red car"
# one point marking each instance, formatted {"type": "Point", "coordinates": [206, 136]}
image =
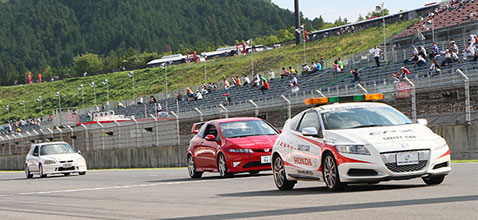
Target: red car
{"type": "Point", "coordinates": [231, 146]}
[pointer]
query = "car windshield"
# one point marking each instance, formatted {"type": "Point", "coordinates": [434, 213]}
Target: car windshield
{"type": "Point", "coordinates": [56, 149]}
{"type": "Point", "coordinates": [370, 116]}
{"type": "Point", "coordinates": [246, 128]}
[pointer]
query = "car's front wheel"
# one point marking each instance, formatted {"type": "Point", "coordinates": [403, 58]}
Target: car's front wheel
{"type": "Point", "coordinates": [331, 174]}
{"type": "Point", "coordinates": [42, 174]}
{"type": "Point", "coordinates": [222, 166]}
{"type": "Point", "coordinates": [433, 180]}
{"type": "Point", "coordinates": [28, 173]}
{"type": "Point", "coordinates": [192, 168]}
{"type": "Point", "coordinates": [280, 178]}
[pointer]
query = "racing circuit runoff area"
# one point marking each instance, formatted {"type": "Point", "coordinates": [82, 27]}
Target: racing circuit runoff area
{"type": "Point", "coordinates": [171, 194]}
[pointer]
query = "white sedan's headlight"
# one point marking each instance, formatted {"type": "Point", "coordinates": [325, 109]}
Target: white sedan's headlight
{"type": "Point", "coordinates": [352, 149]}
{"type": "Point", "coordinates": [240, 150]}
{"type": "Point", "coordinates": [80, 160]}
{"type": "Point", "coordinates": [49, 162]}
{"type": "Point", "coordinates": [440, 144]}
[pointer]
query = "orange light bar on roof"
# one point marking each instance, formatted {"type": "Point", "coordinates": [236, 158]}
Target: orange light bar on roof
{"type": "Point", "coordinates": [376, 96]}
{"type": "Point", "coordinates": [314, 101]}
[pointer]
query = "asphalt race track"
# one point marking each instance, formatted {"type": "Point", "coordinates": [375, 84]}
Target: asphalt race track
{"type": "Point", "coordinates": [169, 193]}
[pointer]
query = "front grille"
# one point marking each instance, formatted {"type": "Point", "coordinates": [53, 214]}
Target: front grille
{"type": "Point", "coordinates": [440, 165]}
{"type": "Point", "coordinates": [66, 169]}
{"type": "Point", "coordinates": [362, 172]}
{"type": "Point", "coordinates": [406, 168]}
{"type": "Point", "coordinates": [255, 164]}
{"type": "Point", "coordinates": [262, 150]}
{"type": "Point", "coordinates": [66, 161]}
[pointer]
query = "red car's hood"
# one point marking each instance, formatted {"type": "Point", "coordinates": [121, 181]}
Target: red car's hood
{"type": "Point", "coordinates": [253, 142]}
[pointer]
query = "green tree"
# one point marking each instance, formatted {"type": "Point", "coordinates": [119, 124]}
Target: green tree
{"type": "Point", "coordinates": [91, 63]}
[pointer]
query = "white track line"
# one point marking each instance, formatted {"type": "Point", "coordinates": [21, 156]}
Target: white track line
{"type": "Point", "coordinates": [119, 187]}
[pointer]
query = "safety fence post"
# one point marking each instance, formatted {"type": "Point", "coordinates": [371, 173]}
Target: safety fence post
{"type": "Point", "coordinates": [86, 137]}
{"type": "Point", "coordinates": [289, 111]}
{"type": "Point", "coordinates": [255, 106]}
{"type": "Point", "coordinates": [200, 114]}
{"type": "Point", "coordinates": [225, 110]}
{"type": "Point", "coordinates": [177, 126]}
{"type": "Point", "coordinates": [414, 99]}
{"type": "Point", "coordinates": [362, 88]}
{"type": "Point", "coordinates": [467, 96]}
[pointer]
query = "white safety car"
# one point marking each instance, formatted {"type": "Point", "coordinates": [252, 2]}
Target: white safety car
{"type": "Point", "coordinates": [356, 142]}
{"type": "Point", "coordinates": [53, 158]}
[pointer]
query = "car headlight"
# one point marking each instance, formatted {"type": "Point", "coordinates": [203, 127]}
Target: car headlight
{"type": "Point", "coordinates": [240, 150]}
{"type": "Point", "coordinates": [352, 149]}
{"type": "Point", "coordinates": [49, 162]}
{"type": "Point", "coordinates": [80, 160]}
{"type": "Point", "coordinates": [440, 144]}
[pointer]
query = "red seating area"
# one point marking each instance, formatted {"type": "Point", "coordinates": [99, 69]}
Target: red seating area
{"type": "Point", "coordinates": [447, 18]}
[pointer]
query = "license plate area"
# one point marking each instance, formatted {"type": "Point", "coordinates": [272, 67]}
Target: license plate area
{"type": "Point", "coordinates": [67, 165]}
{"type": "Point", "coordinates": [407, 158]}
{"type": "Point", "coordinates": [266, 159]}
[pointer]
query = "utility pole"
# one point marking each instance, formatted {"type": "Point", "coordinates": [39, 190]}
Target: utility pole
{"type": "Point", "coordinates": [297, 21]}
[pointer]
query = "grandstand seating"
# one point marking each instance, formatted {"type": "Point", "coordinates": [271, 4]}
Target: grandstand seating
{"type": "Point", "coordinates": [447, 18]}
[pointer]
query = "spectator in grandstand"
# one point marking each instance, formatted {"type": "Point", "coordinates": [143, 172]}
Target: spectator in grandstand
{"type": "Point", "coordinates": [469, 52]}
{"type": "Point", "coordinates": [140, 101]}
{"type": "Point", "coordinates": [159, 108]}
{"type": "Point", "coordinates": [285, 73]}
{"type": "Point", "coordinates": [203, 89]}
{"type": "Point", "coordinates": [292, 71]}
{"type": "Point", "coordinates": [189, 93]}
{"type": "Point", "coordinates": [404, 72]}
{"type": "Point", "coordinates": [238, 80]}
{"type": "Point", "coordinates": [179, 97]}
{"type": "Point", "coordinates": [246, 80]}
{"type": "Point", "coordinates": [340, 63]}
{"type": "Point", "coordinates": [414, 51]}
{"type": "Point", "coordinates": [227, 99]}
{"type": "Point", "coordinates": [305, 69]}
{"type": "Point", "coordinates": [226, 83]}
{"type": "Point", "coordinates": [420, 61]}
{"type": "Point", "coordinates": [454, 47]}
{"type": "Point", "coordinates": [234, 82]}
{"type": "Point", "coordinates": [264, 85]}
{"type": "Point", "coordinates": [356, 75]}
{"type": "Point", "coordinates": [197, 95]}
{"type": "Point", "coordinates": [313, 67]}
{"type": "Point", "coordinates": [152, 99]}
{"type": "Point", "coordinates": [376, 55]}
{"type": "Point", "coordinates": [271, 74]}
{"type": "Point", "coordinates": [434, 68]}
{"type": "Point", "coordinates": [255, 81]}
{"type": "Point", "coordinates": [120, 105]}
{"type": "Point", "coordinates": [319, 66]}
{"type": "Point", "coordinates": [422, 52]}
{"type": "Point", "coordinates": [293, 82]}
{"type": "Point", "coordinates": [434, 51]}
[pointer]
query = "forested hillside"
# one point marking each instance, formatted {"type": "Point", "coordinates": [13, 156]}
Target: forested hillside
{"type": "Point", "coordinates": [44, 36]}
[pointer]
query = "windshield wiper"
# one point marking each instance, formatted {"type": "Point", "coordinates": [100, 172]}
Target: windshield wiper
{"type": "Point", "coordinates": [366, 126]}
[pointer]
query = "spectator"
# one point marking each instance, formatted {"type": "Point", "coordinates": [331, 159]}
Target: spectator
{"type": "Point", "coordinates": [414, 51]}
{"type": "Point", "coordinates": [434, 51]}
{"type": "Point", "coordinates": [422, 52]}
{"type": "Point", "coordinates": [294, 82]}
{"type": "Point", "coordinates": [434, 68]}
{"type": "Point", "coordinates": [204, 90]}
{"type": "Point", "coordinates": [404, 72]}
{"type": "Point", "coordinates": [152, 99]}
{"type": "Point", "coordinates": [376, 55]}
{"type": "Point", "coordinates": [159, 108]}
{"type": "Point", "coordinates": [448, 58]}
{"type": "Point", "coordinates": [271, 74]}
{"type": "Point", "coordinates": [140, 101]}
{"type": "Point", "coordinates": [453, 46]}
{"type": "Point", "coordinates": [469, 51]}
{"type": "Point", "coordinates": [197, 95]}
{"type": "Point", "coordinates": [246, 80]}
{"type": "Point", "coordinates": [234, 82]}
{"type": "Point", "coordinates": [264, 85]}
{"type": "Point", "coordinates": [421, 61]}
{"type": "Point", "coordinates": [226, 83]}
{"type": "Point", "coordinates": [313, 67]}
{"type": "Point", "coordinates": [340, 63]}
{"type": "Point", "coordinates": [292, 71]}
{"type": "Point", "coordinates": [305, 69]}
{"type": "Point", "coordinates": [285, 73]}
{"type": "Point", "coordinates": [189, 93]}
{"type": "Point", "coordinates": [179, 97]}
{"type": "Point", "coordinates": [319, 66]}
{"type": "Point", "coordinates": [120, 105]}
{"type": "Point", "coordinates": [356, 75]}
{"type": "Point", "coordinates": [238, 80]}
{"type": "Point", "coordinates": [227, 99]}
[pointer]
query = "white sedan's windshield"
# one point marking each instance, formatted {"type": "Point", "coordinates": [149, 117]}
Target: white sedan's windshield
{"type": "Point", "coordinates": [246, 128]}
{"type": "Point", "coordinates": [363, 117]}
{"type": "Point", "coordinates": [56, 149]}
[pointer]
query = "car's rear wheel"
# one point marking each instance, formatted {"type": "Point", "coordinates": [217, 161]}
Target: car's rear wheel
{"type": "Point", "coordinates": [331, 174]}
{"type": "Point", "coordinates": [82, 173]}
{"type": "Point", "coordinates": [280, 178]}
{"type": "Point", "coordinates": [66, 174]}
{"type": "Point", "coordinates": [254, 172]}
{"type": "Point", "coordinates": [222, 166]}
{"type": "Point", "coordinates": [192, 168]}
{"type": "Point", "coordinates": [28, 173]}
{"type": "Point", "coordinates": [433, 180]}
{"type": "Point", "coordinates": [42, 175]}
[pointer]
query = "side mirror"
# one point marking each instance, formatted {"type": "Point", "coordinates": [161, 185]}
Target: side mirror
{"type": "Point", "coordinates": [310, 131]}
{"type": "Point", "coordinates": [210, 137]}
{"type": "Point", "coordinates": [195, 131]}
{"type": "Point", "coordinates": [280, 131]}
{"type": "Point", "coordinates": [35, 154]}
{"type": "Point", "coordinates": [422, 121]}
{"type": "Point", "coordinates": [79, 151]}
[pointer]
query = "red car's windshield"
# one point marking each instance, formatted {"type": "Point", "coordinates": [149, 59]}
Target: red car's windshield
{"type": "Point", "coordinates": [246, 128]}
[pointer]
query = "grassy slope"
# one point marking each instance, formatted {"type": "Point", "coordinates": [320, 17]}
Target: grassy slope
{"type": "Point", "coordinates": [150, 81]}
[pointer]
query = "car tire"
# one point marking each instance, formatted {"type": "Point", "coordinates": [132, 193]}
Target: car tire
{"type": "Point", "coordinates": [433, 180]}
{"type": "Point", "coordinates": [255, 172]}
{"type": "Point", "coordinates": [82, 173]}
{"type": "Point", "coordinates": [42, 175]}
{"type": "Point", "coordinates": [66, 174]}
{"type": "Point", "coordinates": [331, 174]}
{"type": "Point", "coordinates": [222, 166]}
{"type": "Point", "coordinates": [280, 177]}
{"type": "Point", "coordinates": [28, 173]}
{"type": "Point", "coordinates": [192, 168]}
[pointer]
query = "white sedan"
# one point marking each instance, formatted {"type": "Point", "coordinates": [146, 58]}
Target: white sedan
{"type": "Point", "coordinates": [362, 142]}
{"type": "Point", "coordinates": [53, 158]}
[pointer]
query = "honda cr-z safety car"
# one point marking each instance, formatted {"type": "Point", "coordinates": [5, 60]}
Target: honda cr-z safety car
{"type": "Point", "coordinates": [356, 142]}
